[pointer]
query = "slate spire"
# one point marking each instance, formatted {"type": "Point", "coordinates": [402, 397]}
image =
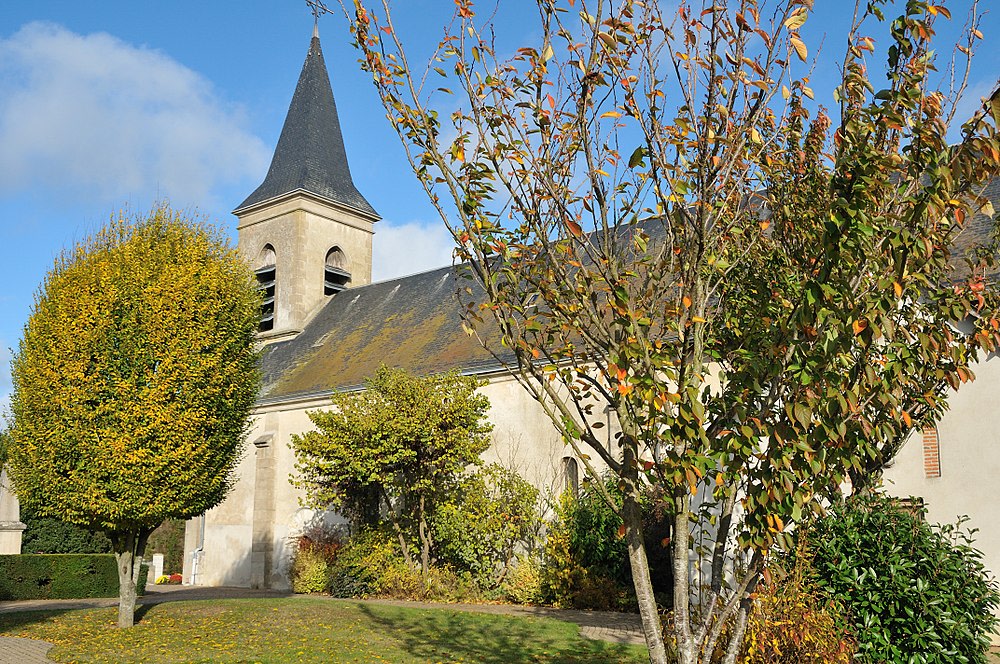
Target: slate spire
{"type": "Point", "coordinates": [310, 155]}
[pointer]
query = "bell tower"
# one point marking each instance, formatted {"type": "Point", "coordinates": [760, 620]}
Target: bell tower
{"type": "Point", "coordinates": [306, 230]}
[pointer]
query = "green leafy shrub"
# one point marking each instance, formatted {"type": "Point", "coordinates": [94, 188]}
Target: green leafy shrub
{"type": "Point", "coordinates": [566, 578]}
{"type": "Point", "coordinates": [310, 572]}
{"type": "Point", "coordinates": [49, 535]}
{"type": "Point", "coordinates": [586, 555]}
{"type": "Point", "coordinates": [60, 576]}
{"type": "Point", "coordinates": [561, 573]}
{"type": "Point", "coordinates": [914, 593]}
{"type": "Point", "coordinates": [370, 564]}
{"type": "Point", "coordinates": [361, 567]}
{"type": "Point", "coordinates": [493, 515]}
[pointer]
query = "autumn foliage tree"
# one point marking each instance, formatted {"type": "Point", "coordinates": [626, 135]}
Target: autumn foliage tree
{"type": "Point", "coordinates": [133, 383]}
{"type": "Point", "coordinates": [398, 449]}
{"type": "Point", "coordinates": [662, 222]}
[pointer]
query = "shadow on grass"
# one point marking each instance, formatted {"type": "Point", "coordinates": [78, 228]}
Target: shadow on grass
{"type": "Point", "coordinates": [490, 639]}
{"type": "Point", "coordinates": [10, 623]}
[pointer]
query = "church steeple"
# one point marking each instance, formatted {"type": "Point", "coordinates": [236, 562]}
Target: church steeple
{"type": "Point", "coordinates": [306, 229]}
{"type": "Point", "coordinates": [310, 155]}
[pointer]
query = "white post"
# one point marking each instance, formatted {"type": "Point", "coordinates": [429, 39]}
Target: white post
{"type": "Point", "coordinates": [157, 568]}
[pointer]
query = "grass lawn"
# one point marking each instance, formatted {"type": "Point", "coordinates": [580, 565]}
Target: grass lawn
{"type": "Point", "coordinates": [302, 629]}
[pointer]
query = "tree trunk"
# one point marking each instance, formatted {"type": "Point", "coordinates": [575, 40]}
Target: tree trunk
{"type": "Point", "coordinates": [739, 630]}
{"type": "Point", "coordinates": [425, 539]}
{"type": "Point", "coordinates": [129, 547]}
{"type": "Point", "coordinates": [652, 627]}
{"type": "Point", "coordinates": [687, 649]}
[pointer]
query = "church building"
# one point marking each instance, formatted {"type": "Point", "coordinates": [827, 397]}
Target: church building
{"type": "Point", "coordinates": [308, 233]}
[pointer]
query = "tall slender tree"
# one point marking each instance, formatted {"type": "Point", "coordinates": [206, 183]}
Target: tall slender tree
{"type": "Point", "coordinates": [664, 223]}
{"type": "Point", "coordinates": [133, 383]}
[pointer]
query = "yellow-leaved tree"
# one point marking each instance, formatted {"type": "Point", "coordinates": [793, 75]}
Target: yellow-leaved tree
{"type": "Point", "coordinates": [133, 382]}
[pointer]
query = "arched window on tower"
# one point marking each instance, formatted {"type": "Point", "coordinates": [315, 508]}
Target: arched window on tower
{"type": "Point", "coordinates": [265, 270]}
{"type": "Point", "coordinates": [335, 274]}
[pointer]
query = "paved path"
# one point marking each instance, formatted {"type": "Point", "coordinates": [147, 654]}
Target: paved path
{"type": "Point", "coordinates": [601, 625]}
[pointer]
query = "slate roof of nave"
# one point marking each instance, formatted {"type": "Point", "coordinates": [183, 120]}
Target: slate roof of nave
{"type": "Point", "coordinates": [310, 154]}
{"type": "Point", "coordinates": [410, 322]}
{"type": "Point", "coordinates": [414, 322]}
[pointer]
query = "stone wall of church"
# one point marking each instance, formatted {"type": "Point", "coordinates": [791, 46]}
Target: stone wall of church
{"type": "Point", "coordinates": [247, 540]}
{"type": "Point", "coordinates": [957, 471]}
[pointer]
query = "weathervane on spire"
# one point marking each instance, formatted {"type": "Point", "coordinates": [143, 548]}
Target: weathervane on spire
{"type": "Point", "coordinates": [318, 7]}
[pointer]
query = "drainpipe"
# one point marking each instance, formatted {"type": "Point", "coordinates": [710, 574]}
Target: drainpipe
{"type": "Point", "coordinates": [197, 554]}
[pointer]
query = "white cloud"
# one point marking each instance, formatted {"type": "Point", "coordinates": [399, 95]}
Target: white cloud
{"type": "Point", "coordinates": [92, 115]}
{"type": "Point", "coordinates": [409, 248]}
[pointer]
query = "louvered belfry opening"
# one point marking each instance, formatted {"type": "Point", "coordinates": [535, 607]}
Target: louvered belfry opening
{"type": "Point", "coordinates": [335, 275]}
{"type": "Point", "coordinates": [266, 279]}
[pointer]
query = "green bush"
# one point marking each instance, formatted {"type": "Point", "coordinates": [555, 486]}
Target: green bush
{"type": "Point", "coordinates": [914, 593]}
{"type": "Point", "coordinates": [794, 621]}
{"type": "Point", "coordinates": [315, 556]}
{"type": "Point", "coordinates": [48, 535]}
{"type": "Point", "coordinates": [586, 562]}
{"type": "Point", "coordinates": [371, 564]}
{"type": "Point", "coordinates": [492, 516]}
{"type": "Point", "coordinates": [361, 568]}
{"type": "Point", "coordinates": [60, 576]}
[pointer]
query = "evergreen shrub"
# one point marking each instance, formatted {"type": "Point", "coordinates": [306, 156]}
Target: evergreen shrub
{"type": "Point", "coordinates": [913, 592]}
{"type": "Point", "coordinates": [49, 535]}
{"type": "Point", "coordinates": [60, 576]}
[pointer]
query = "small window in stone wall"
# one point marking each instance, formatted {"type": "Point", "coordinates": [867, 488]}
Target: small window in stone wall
{"type": "Point", "coordinates": [914, 506]}
{"type": "Point", "coordinates": [932, 452]}
{"type": "Point", "coordinates": [335, 274]}
{"type": "Point", "coordinates": [571, 475]}
{"type": "Point", "coordinates": [266, 279]}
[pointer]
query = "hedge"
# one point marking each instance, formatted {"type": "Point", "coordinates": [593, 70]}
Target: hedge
{"type": "Point", "coordinates": [60, 576]}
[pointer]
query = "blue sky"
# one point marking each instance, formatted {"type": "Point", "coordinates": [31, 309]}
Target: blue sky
{"type": "Point", "coordinates": [107, 103]}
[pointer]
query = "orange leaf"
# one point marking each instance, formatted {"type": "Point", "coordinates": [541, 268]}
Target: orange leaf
{"type": "Point", "coordinates": [907, 419]}
{"type": "Point", "coordinates": [860, 326]}
{"type": "Point", "coordinates": [574, 228]}
{"type": "Point", "coordinates": [686, 300]}
{"type": "Point", "coordinates": [800, 48]}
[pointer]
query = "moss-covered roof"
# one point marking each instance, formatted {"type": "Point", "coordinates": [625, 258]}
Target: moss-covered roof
{"type": "Point", "coordinates": [412, 322]}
